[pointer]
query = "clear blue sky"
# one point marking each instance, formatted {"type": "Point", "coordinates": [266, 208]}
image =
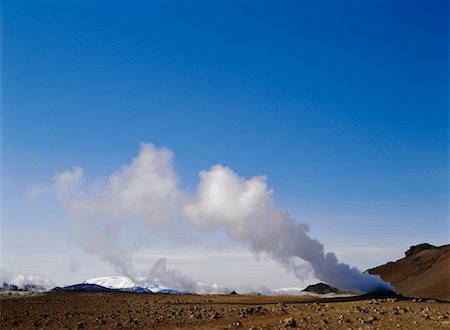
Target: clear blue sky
{"type": "Point", "coordinates": [343, 104]}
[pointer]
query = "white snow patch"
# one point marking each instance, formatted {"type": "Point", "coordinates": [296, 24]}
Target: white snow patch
{"type": "Point", "coordinates": [113, 282]}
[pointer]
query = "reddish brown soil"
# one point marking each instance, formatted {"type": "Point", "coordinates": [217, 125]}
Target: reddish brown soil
{"type": "Point", "coordinates": [425, 274]}
{"type": "Point", "coordinates": [59, 310]}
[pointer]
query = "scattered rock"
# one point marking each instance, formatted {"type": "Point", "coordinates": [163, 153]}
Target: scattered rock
{"type": "Point", "coordinates": [370, 319]}
{"type": "Point", "coordinates": [288, 322]}
{"type": "Point", "coordinates": [214, 316]}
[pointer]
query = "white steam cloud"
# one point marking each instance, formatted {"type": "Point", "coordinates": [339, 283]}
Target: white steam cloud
{"type": "Point", "coordinates": [64, 183]}
{"type": "Point", "coordinates": [147, 190]}
{"type": "Point", "coordinates": [173, 279]}
{"type": "Point", "coordinates": [22, 281]}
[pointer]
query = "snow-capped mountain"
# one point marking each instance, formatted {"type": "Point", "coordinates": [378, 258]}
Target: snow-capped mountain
{"type": "Point", "coordinates": [123, 283]}
{"type": "Point", "coordinates": [157, 287]}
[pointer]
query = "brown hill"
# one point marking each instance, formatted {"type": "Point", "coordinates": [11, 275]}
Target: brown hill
{"type": "Point", "coordinates": [424, 272]}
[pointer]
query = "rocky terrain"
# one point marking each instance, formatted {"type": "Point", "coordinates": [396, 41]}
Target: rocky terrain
{"type": "Point", "coordinates": [424, 272]}
{"type": "Point", "coordinates": [80, 310]}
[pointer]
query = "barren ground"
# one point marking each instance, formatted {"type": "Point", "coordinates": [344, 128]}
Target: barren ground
{"type": "Point", "coordinates": [58, 310]}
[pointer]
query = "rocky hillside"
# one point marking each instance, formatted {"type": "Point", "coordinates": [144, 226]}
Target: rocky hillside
{"type": "Point", "coordinates": [424, 272]}
{"type": "Point", "coordinates": [419, 248]}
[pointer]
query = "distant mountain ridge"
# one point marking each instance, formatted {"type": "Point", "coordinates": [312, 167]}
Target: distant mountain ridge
{"type": "Point", "coordinates": [85, 287]}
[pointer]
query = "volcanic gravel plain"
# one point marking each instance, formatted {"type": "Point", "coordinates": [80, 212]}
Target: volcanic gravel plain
{"type": "Point", "coordinates": [90, 310]}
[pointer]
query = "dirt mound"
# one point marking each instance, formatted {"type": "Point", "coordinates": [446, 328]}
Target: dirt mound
{"type": "Point", "coordinates": [320, 288]}
{"type": "Point", "coordinates": [423, 273]}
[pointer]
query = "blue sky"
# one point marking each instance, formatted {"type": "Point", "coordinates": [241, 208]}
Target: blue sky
{"type": "Point", "coordinates": [343, 105]}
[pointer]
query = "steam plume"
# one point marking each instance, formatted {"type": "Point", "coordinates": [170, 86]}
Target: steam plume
{"type": "Point", "coordinates": [175, 280]}
{"type": "Point", "coordinates": [244, 208]}
{"type": "Point", "coordinates": [146, 190]}
{"type": "Point", "coordinates": [23, 281]}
